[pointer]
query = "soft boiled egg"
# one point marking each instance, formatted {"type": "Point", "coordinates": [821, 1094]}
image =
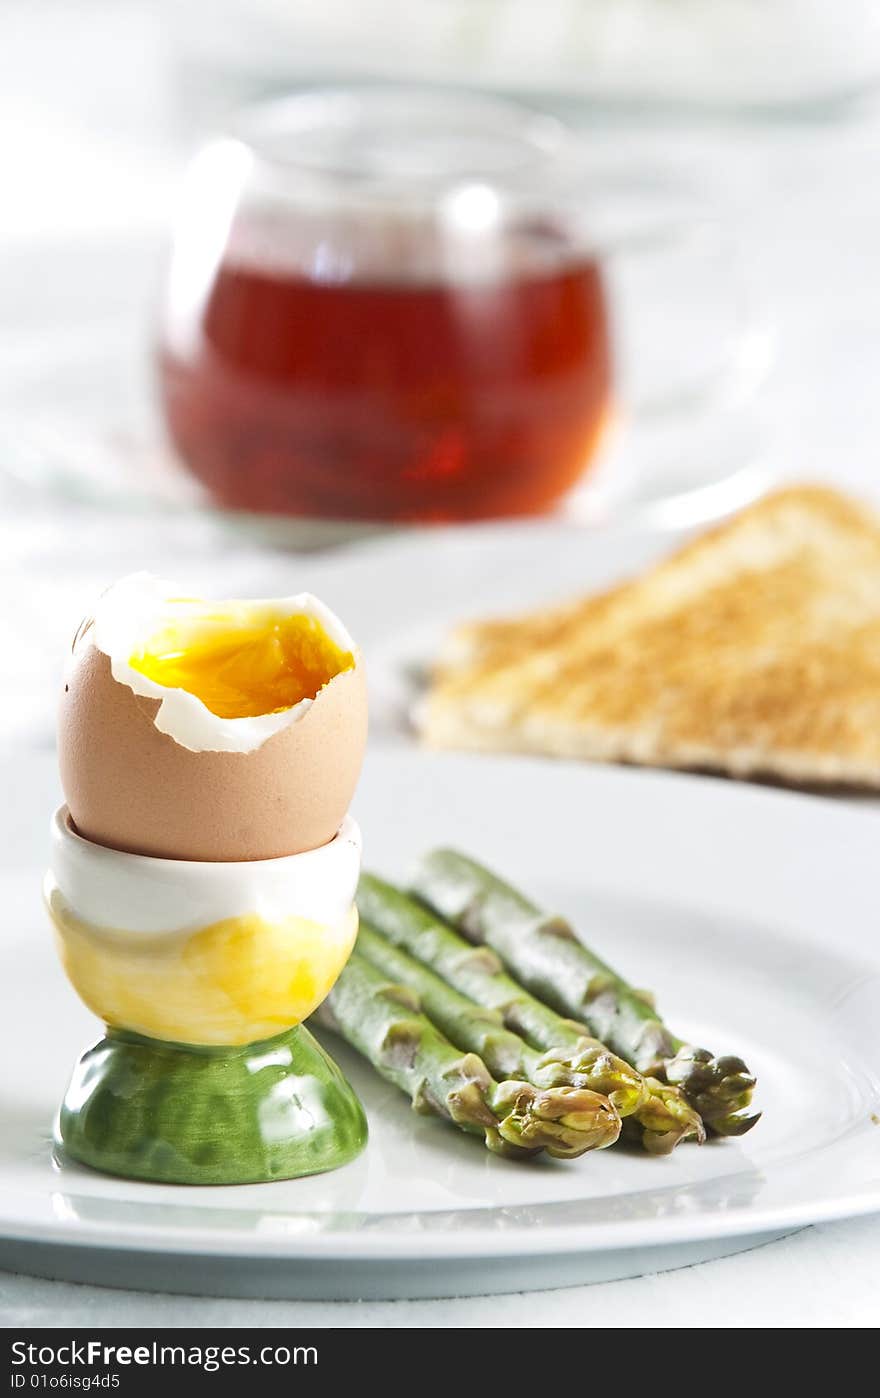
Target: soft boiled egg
{"type": "Point", "coordinates": [202, 730]}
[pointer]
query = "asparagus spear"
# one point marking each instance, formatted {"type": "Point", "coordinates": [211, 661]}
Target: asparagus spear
{"type": "Point", "coordinates": [550, 959]}
{"type": "Point", "coordinates": [568, 1053]}
{"type": "Point", "coordinates": [383, 1021]}
{"type": "Point", "coordinates": [470, 1026]}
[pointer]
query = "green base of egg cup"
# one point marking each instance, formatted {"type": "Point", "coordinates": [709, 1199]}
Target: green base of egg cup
{"type": "Point", "coordinates": [183, 1114]}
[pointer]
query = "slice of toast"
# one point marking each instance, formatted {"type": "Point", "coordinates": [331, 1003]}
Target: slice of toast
{"type": "Point", "coordinates": [753, 650]}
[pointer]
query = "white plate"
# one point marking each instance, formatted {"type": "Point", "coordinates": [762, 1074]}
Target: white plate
{"type": "Point", "coordinates": [752, 912]}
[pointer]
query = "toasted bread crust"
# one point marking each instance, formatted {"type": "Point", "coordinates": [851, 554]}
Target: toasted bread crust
{"type": "Point", "coordinates": [754, 649]}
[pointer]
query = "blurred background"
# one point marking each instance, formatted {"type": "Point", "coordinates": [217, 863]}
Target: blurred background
{"type": "Point", "coordinates": [605, 268]}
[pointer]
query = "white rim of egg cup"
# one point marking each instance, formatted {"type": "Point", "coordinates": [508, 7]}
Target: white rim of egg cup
{"type": "Point", "coordinates": [117, 891]}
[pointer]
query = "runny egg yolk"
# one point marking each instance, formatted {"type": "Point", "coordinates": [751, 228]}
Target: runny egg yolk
{"type": "Point", "coordinates": [242, 669]}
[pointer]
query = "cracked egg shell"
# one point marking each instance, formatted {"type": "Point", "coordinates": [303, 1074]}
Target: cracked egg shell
{"type": "Point", "coordinates": [135, 788]}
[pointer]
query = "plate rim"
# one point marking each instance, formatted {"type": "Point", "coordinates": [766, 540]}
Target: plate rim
{"type": "Point", "coordinates": [464, 1243]}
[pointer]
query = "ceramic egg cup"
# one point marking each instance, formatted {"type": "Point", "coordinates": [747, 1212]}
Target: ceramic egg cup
{"type": "Point", "coordinates": [203, 974]}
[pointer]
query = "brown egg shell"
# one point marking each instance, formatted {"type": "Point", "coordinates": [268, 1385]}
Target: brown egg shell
{"type": "Point", "coordinates": [131, 787]}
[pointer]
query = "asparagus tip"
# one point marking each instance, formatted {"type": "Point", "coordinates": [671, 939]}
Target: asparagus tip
{"type": "Point", "coordinates": [737, 1124]}
{"type": "Point", "coordinates": [564, 1121]}
{"type": "Point", "coordinates": [667, 1119]}
{"type": "Point", "coordinates": [718, 1088]}
{"type": "Point", "coordinates": [589, 1064]}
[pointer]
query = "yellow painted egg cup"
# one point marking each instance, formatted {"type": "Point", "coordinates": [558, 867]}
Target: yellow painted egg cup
{"type": "Point", "coordinates": [203, 974]}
